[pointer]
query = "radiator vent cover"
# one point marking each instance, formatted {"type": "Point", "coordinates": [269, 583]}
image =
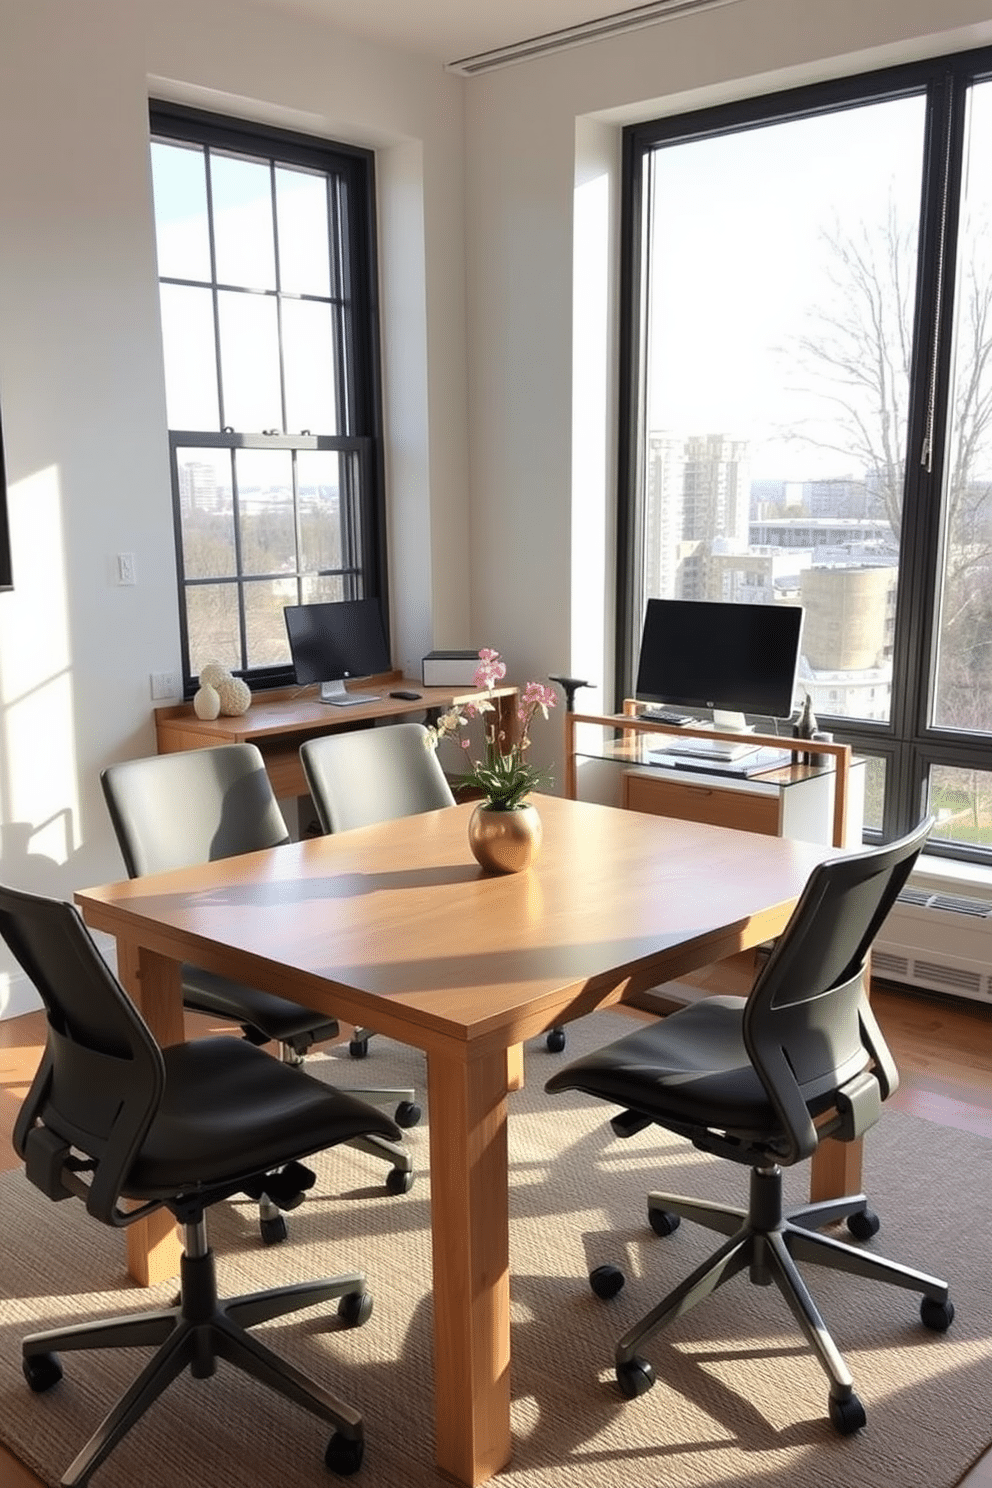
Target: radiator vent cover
{"type": "Point", "coordinates": [938, 942]}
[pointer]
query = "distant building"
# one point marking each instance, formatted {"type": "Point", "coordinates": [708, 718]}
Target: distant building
{"type": "Point", "coordinates": [850, 616]}
{"type": "Point", "coordinates": [665, 479]}
{"type": "Point", "coordinates": [843, 497]}
{"type": "Point", "coordinates": [854, 536]}
{"type": "Point", "coordinates": [755, 575]}
{"type": "Point", "coordinates": [716, 490]}
{"type": "Point", "coordinates": [198, 488]}
{"type": "Point", "coordinates": [848, 637]}
{"type": "Point", "coordinates": [768, 498]}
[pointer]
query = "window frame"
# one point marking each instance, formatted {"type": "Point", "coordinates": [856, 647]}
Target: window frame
{"type": "Point", "coordinates": [908, 744]}
{"type": "Point", "coordinates": [6, 568]}
{"type": "Point", "coordinates": [358, 383]}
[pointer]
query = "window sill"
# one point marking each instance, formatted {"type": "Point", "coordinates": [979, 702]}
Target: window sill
{"type": "Point", "coordinates": [945, 875]}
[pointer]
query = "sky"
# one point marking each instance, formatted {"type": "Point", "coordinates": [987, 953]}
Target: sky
{"type": "Point", "coordinates": [738, 262]}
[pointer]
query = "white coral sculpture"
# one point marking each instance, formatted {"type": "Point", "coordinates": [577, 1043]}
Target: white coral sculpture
{"type": "Point", "coordinates": [232, 694]}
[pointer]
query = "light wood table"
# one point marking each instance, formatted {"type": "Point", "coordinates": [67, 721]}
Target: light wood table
{"type": "Point", "coordinates": [395, 927]}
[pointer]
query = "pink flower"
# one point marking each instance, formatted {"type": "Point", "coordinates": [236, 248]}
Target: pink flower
{"type": "Point", "coordinates": [491, 668]}
{"type": "Point", "coordinates": [536, 695]}
{"type": "Point", "coordinates": [503, 774]}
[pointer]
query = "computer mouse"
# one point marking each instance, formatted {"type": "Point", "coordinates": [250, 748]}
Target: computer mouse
{"type": "Point", "coordinates": [407, 697]}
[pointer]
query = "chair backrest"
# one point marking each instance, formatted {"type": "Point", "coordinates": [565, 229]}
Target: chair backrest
{"type": "Point", "coordinates": [102, 1075]}
{"type": "Point", "coordinates": [195, 806]}
{"type": "Point", "coordinates": [808, 1028]}
{"type": "Point", "coordinates": [373, 775]}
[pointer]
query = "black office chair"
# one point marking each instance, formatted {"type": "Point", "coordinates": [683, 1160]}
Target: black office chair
{"type": "Point", "coordinates": [179, 810]}
{"type": "Point", "coordinates": [374, 775]}
{"type": "Point", "coordinates": [762, 1081]}
{"type": "Point", "coordinates": [129, 1128]}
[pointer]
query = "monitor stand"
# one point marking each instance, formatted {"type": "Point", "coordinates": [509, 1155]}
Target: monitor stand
{"type": "Point", "coordinates": [730, 722]}
{"type": "Point", "coordinates": [338, 695]}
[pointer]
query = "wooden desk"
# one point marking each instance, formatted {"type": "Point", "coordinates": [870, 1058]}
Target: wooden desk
{"type": "Point", "coordinates": [394, 926]}
{"type": "Point", "coordinates": [633, 733]}
{"type": "Point", "coordinates": [279, 721]}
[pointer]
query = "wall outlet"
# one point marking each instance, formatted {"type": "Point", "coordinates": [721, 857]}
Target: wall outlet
{"type": "Point", "coordinates": [165, 685]}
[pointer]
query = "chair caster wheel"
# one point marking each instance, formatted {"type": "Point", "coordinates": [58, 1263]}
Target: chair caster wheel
{"type": "Point", "coordinates": [607, 1281]}
{"type": "Point", "coordinates": [397, 1181]}
{"type": "Point", "coordinates": [662, 1222]}
{"type": "Point", "coordinates": [407, 1114]}
{"type": "Point", "coordinates": [635, 1377]}
{"type": "Point", "coordinates": [555, 1040]}
{"type": "Point", "coordinates": [358, 1049]}
{"type": "Point", "coordinates": [847, 1415]}
{"type": "Point", "coordinates": [937, 1315]}
{"type": "Point", "coordinates": [344, 1454]}
{"type": "Point", "coordinates": [273, 1231]}
{"type": "Point", "coordinates": [864, 1224]}
{"type": "Point", "coordinates": [41, 1371]}
{"type": "Point", "coordinates": [355, 1308]}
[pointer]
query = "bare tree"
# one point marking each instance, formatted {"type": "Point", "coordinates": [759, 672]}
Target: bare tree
{"type": "Point", "coordinates": [853, 362]}
{"type": "Point", "coordinates": [853, 358]}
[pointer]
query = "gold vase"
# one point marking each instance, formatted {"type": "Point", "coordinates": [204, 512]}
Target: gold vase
{"type": "Point", "coordinates": [504, 841]}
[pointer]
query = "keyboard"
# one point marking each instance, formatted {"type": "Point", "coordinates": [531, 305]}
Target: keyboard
{"type": "Point", "coordinates": [658, 715]}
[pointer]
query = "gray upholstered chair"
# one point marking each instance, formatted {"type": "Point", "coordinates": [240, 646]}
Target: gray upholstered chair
{"type": "Point", "coordinates": [375, 775]}
{"type": "Point", "coordinates": [128, 1128]}
{"type": "Point", "coordinates": [179, 810]}
{"type": "Point", "coordinates": [762, 1081]}
{"type": "Point", "coordinates": [371, 775]}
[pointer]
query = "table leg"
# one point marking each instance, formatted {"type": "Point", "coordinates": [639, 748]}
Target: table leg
{"type": "Point", "coordinates": [835, 1170]}
{"type": "Point", "coordinates": [153, 1244]}
{"type": "Point", "coordinates": [470, 1238]}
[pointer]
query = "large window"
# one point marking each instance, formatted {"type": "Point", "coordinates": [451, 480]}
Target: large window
{"type": "Point", "coordinates": [808, 404]}
{"type": "Point", "coordinates": [266, 258]}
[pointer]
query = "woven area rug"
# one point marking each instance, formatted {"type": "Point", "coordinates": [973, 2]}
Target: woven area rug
{"type": "Point", "coordinates": [738, 1398]}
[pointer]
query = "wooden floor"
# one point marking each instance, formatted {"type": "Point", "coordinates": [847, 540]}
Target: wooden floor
{"type": "Point", "coordinates": [943, 1049]}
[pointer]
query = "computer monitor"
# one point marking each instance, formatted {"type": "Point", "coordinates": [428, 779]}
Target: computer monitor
{"type": "Point", "coordinates": [332, 642]}
{"type": "Point", "coordinates": [733, 658]}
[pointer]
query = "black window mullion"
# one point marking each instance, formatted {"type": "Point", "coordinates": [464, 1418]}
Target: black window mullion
{"type": "Point", "coordinates": [238, 558]}
{"type": "Point", "coordinates": [174, 441]}
{"type": "Point", "coordinates": [278, 296]}
{"type": "Point", "coordinates": [927, 467]}
{"type": "Point", "coordinates": [635, 225]}
{"type": "Point", "coordinates": [214, 293]}
{"type": "Point", "coordinates": [920, 745]}
{"type": "Point", "coordinates": [935, 520]}
{"type": "Point", "coordinates": [347, 371]}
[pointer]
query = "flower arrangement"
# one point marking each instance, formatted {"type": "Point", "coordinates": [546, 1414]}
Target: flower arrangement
{"type": "Point", "coordinates": [504, 775]}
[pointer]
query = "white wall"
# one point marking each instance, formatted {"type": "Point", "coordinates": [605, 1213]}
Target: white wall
{"type": "Point", "coordinates": [499, 340]}
{"type": "Point", "coordinates": [81, 385]}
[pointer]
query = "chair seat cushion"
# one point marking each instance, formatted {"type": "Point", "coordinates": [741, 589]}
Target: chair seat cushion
{"type": "Point", "coordinates": [231, 1109]}
{"type": "Point", "coordinates": [276, 1017]}
{"type": "Point", "coordinates": [690, 1068]}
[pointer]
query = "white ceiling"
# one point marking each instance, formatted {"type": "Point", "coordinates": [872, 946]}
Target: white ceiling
{"type": "Point", "coordinates": [448, 30]}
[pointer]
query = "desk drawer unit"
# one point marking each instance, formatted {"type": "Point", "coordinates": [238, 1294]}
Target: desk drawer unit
{"type": "Point", "coordinates": [698, 802]}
